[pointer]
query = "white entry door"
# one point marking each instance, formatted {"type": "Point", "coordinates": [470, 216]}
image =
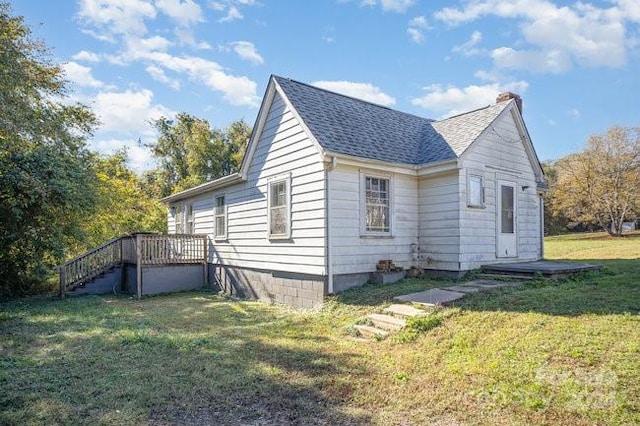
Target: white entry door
{"type": "Point", "coordinates": [507, 237]}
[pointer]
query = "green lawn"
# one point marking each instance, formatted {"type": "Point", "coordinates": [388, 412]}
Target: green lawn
{"type": "Point", "coordinates": [544, 353]}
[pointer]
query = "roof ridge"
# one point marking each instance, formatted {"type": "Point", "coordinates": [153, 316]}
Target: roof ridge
{"type": "Point", "coordinates": [469, 112]}
{"type": "Point", "coordinates": [352, 97]}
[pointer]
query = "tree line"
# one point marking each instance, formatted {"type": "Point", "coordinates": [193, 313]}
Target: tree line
{"type": "Point", "coordinates": [598, 188]}
{"type": "Point", "coordinates": [57, 197]}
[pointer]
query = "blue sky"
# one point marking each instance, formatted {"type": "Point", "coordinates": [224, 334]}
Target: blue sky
{"type": "Point", "coordinates": [575, 64]}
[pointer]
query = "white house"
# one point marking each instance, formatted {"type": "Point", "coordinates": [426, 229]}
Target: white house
{"type": "Point", "coordinates": [330, 185]}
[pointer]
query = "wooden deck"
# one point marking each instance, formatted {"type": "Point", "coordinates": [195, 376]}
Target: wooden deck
{"type": "Point", "coordinates": [547, 268]}
{"type": "Point", "coordinates": [139, 249]}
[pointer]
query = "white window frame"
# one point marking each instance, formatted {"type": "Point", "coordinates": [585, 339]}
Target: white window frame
{"type": "Point", "coordinates": [363, 204]}
{"type": "Point", "coordinates": [178, 218]}
{"type": "Point", "coordinates": [220, 214]}
{"type": "Point", "coordinates": [286, 179]}
{"type": "Point", "coordinates": [189, 220]}
{"type": "Point", "coordinates": [478, 204]}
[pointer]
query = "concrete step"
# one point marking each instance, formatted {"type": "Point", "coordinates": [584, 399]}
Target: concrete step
{"type": "Point", "coordinates": [373, 332]}
{"type": "Point", "coordinates": [404, 311]}
{"type": "Point", "coordinates": [432, 298]}
{"type": "Point", "coordinates": [510, 276]}
{"type": "Point", "coordinates": [386, 322]}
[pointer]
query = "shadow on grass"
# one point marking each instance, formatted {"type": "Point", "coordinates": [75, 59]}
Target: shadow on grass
{"type": "Point", "coordinates": [616, 290]}
{"type": "Point", "coordinates": [168, 360]}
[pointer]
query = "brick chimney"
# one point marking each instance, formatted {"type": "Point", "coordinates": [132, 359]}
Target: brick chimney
{"type": "Point", "coordinates": [505, 96]}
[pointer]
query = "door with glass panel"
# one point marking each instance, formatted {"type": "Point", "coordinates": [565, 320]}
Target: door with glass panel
{"type": "Point", "coordinates": [506, 217]}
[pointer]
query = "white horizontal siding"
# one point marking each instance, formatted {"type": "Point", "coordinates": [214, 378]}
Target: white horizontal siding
{"type": "Point", "coordinates": [498, 154]}
{"type": "Point", "coordinates": [354, 253]}
{"type": "Point", "coordinates": [283, 147]}
{"type": "Point", "coordinates": [439, 233]}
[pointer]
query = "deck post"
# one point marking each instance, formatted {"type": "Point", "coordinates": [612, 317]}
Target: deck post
{"type": "Point", "coordinates": [205, 263]}
{"type": "Point", "coordinates": [139, 264]}
{"type": "Point", "coordinates": [124, 286]}
{"type": "Point", "coordinates": [62, 282]}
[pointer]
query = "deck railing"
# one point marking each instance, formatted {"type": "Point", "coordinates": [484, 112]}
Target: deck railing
{"type": "Point", "coordinates": [90, 264]}
{"type": "Point", "coordinates": [136, 249]}
{"type": "Point", "coordinates": [175, 248]}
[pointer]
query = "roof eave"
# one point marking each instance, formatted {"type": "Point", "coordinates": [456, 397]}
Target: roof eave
{"type": "Point", "coordinates": [404, 168]}
{"type": "Point", "coordinates": [203, 188]}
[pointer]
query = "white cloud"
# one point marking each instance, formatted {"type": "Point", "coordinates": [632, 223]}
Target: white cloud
{"type": "Point", "coordinates": [247, 51]}
{"type": "Point", "coordinates": [86, 56]}
{"type": "Point", "coordinates": [233, 14]}
{"type": "Point", "coordinates": [128, 111]}
{"type": "Point", "coordinates": [557, 36]}
{"type": "Point", "coordinates": [364, 91]}
{"type": "Point", "coordinates": [124, 22]}
{"type": "Point", "coordinates": [184, 12]}
{"type": "Point", "coordinates": [415, 35]}
{"type": "Point", "coordinates": [399, 6]}
{"type": "Point", "coordinates": [81, 75]}
{"type": "Point", "coordinates": [455, 100]}
{"type": "Point", "coordinates": [552, 61]}
{"type": "Point", "coordinates": [629, 9]}
{"type": "Point", "coordinates": [158, 74]}
{"type": "Point", "coordinates": [574, 113]}
{"type": "Point", "coordinates": [236, 90]}
{"type": "Point", "coordinates": [469, 47]}
{"type": "Point", "coordinates": [419, 22]}
{"type": "Point", "coordinates": [140, 158]}
{"type": "Point", "coordinates": [416, 25]}
{"type": "Point", "coordinates": [217, 6]}
{"type": "Point", "coordinates": [138, 46]}
{"type": "Point", "coordinates": [117, 16]}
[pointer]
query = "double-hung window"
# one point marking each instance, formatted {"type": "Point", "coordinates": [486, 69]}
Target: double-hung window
{"type": "Point", "coordinates": [279, 214]}
{"type": "Point", "coordinates": [189, 219]}
{"type": "Point", "coordinates": [220, 213]}
{"type": "Point", "coordinates": [179, 216]}
{"type": "Point", "coordinates": [377, 205]}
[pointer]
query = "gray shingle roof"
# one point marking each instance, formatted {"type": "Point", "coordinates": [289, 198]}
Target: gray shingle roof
{"type": "Point", "coordinates": [461, 130]}
{"type": "Point", "coordinates": [350, 126]}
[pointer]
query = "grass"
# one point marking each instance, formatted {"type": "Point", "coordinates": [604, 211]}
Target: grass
{"type": "Point", "coordinates": [544, 353]}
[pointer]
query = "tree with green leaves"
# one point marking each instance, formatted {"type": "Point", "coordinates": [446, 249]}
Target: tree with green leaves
{"type": "Point", "coordinates": [123, 204]}
{"type": "Point", "coordinates": [190, 152]}
{"type": "Point", "coordinates": [601, 185]}
{"type": "Point", "coordinates": [45, 168]}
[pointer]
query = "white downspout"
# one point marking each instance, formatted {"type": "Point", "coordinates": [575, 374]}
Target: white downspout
{"type": "Point", "coordinates": [332, 166]}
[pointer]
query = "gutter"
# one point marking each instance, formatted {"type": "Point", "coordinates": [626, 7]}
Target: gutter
{"type": "Point", "coordinates": [332, 165]}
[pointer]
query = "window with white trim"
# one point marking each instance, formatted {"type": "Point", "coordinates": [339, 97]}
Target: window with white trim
{"type": "Point", "coordinates": [220, 213]}
{"type": "Point", "coordinates": [377, 206]}
{"type": "Point", "coordinates": [279, 212]}
{"type": "Point", "coordinates": [475, 191]}
{"type": "Point", "coordinates": [189, 219]}
{"type": "Point", "coordinates": [178, 218]}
